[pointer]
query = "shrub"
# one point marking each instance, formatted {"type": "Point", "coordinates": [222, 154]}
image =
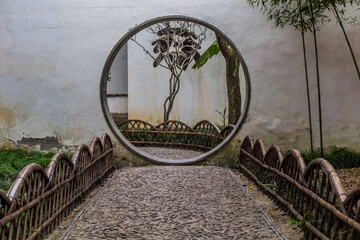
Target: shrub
{"type": "Point", "coordinates": [340, 158]}
{"type": "Point", "coordinates": [12, 161]}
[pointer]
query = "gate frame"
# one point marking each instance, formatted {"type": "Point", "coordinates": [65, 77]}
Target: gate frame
{"type": "Point", "coordinates": [103, 91]}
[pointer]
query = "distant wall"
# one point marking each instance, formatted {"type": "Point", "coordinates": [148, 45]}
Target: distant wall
{"type": "Point", "coordinates": [118, 104]}
{"type": "Point", "coordinates": [118, 83]}
{"type": "Point", "coordinates": [117, 88]}
{"type": "Point", "coordinates": [52, 54]}
{"type": "Point", "coordinates": [201, 93]}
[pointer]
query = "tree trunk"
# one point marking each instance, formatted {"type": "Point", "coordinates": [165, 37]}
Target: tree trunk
{"type": "Point", "coordinates": [232, 79]}
{"type": "Point", "coordinates": [174, 87]}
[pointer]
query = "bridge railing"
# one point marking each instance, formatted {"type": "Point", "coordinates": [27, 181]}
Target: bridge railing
{"type": "Point", "coordinates": [313, 194]}
{"type": "Point", "coordinates": [174, 134]}
{"type": "Point", "coordinates": [40, 198]}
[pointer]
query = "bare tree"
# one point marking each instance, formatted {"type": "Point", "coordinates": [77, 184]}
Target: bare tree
{"type": "Point", "coordinates": [177, 46]}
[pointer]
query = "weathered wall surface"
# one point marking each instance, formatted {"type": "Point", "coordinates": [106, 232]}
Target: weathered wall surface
{"type": "Point", "coordinates": [201, 93]}
{"type": "Point", "coordinates": [118, 104]}
{"type": "Point", "coordinates": [52, 54]}
{"type": "Point", "coordinates": [118, 82]}
{"type": "Point", "coordinates": [117, 86]}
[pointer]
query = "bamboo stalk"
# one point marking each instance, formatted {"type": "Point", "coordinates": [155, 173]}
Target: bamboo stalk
{"type": "Point", "coordinates": [338, 18]}
{"type": "Point", "coordinates": [317, 78]}
{"type": "Point", "coordinates": [306, 78]}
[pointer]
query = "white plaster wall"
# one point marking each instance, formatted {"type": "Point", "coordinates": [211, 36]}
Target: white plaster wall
{"type": "Point", "coordinates": [117, 87]}
{"type": "Point", "coordinates": [52, 54]}
{"type": "Point", "coordinates": [201, 93]}
{"type": "Point", "coordinates": [119, 73]}
{"type": "Point", "coordinates": [118, 104]}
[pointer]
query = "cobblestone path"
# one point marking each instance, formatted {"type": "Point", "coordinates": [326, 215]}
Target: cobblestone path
{"type": "Point", "coordinates": [171, 153]}
{"type": "Point", "coordinates": [170, 202]}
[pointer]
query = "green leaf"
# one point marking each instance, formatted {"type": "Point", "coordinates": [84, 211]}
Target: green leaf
{"type": "Point", "coordinates": [209, 53]}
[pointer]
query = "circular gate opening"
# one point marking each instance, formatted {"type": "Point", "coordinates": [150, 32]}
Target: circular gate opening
{"type": "Point", "coordinates": [175, 90]}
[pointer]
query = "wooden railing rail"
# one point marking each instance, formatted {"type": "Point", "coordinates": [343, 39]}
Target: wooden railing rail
{"type": "Point", "coordinates": [175, 134]}
{"type": "Point", "coordinates": [39, 199]}
{"type": "Point", "coordinates": [313, 194]}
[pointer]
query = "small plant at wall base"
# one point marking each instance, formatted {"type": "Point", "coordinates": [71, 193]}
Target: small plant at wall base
{"type": "Point", "coordinates": [301, 222]}
{"type": "Point", "coordinates": [223, 119]}
{"type": "Point", "coordinates": [272, 186]}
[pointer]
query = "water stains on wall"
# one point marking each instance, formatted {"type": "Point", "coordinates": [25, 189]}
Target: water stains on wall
{"type": "Point", "coordinates": [7, 116]}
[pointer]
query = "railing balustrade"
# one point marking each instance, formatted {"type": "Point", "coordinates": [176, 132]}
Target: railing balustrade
{"type": "Point", "coordinates": [204, 136]}
{"type": "Point", "coordinates": [39, 198]}
{"type": "Point", "coordinates": [313, 194]}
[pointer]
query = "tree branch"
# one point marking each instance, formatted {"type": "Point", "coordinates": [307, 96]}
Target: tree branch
{"type": "Point", "coordinates": [147, 52]}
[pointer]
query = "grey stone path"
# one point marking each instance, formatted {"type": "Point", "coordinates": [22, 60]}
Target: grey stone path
{"type": "Point", "coordinates": [170, 202]}
{"type": "Point", "coordinates": [171, 153]}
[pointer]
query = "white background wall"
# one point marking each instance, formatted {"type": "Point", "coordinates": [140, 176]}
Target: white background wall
{"type": "Point", "coordinates": [201, 93]}
{"type": "Point", "coordinates": [117, 87]}
{"type": "Point", "coordinates": [119, 73]}
{"type": "Point", "coordinates": [118, 104]}
{"type": "Point", "coordinates": [52, 54]}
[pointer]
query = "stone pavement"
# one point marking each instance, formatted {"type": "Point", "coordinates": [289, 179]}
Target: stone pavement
{"type": "Point", "coordinates": [171, 153]}
{"type": "Point", "coordinates": [172, 202]}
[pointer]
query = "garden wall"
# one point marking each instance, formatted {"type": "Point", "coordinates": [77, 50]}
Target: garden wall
{"type": "Point", "coordinates": [53, 52]}
{"type": "Point", "coordinates": [201, 93]}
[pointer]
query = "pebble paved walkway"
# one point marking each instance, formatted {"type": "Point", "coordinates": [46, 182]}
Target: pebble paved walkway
{"type": "Point", "coordinates": [170, 202]}
{"type": "Point", "coordinates": [171, 153]}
